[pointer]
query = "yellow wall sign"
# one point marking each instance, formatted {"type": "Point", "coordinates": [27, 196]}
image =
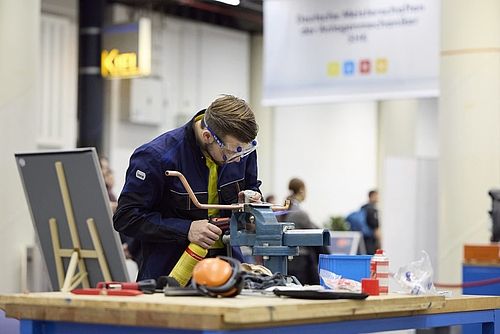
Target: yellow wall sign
{"type": "Point", "coordinates": [126, 50]}
{"type": "Point", "coordinates": [116, 64]}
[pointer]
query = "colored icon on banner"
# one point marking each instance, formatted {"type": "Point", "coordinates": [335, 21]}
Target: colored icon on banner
{"type": "Point", "coordinates": [333, 69]}
{"type": "Point", "coordinates": [364, 66]}
{"type": "Point", "coordinates": [349, 67]}
{"type": "Point", "coordinates": [381, 65]}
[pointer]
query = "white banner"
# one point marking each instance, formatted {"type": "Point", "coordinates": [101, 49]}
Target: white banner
{"type": "Point", "coordinates": [339, 50]}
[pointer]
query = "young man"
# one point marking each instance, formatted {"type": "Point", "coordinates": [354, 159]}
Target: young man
{"type": "Point", "coordinates": [216, 153]}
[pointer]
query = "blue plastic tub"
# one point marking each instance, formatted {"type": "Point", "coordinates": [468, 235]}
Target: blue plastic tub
{"type": "Point", "coordinates": [354, 267]}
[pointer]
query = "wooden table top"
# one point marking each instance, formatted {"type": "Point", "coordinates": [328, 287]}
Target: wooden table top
{"type": "Point", "coordinates": [226, 313]}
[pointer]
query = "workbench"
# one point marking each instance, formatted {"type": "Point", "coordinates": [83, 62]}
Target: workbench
{"type": "Point", "coordinates": [478, 272]}
{"type": "Point", "coordinates": [57, 313]}
{"type": "Point", "coordinates": [473, 272]}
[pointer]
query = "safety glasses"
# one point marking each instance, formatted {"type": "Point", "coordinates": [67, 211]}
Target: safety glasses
{"type": "Point", "coordinates": [229, 155]}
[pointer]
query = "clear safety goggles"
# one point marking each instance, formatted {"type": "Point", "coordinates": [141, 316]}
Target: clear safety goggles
{"type": "Point", "coordinates": [241, 152]}
{"type": "Point", "coordinates": [229, 155]}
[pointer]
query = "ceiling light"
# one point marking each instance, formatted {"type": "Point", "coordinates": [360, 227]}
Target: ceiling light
{"type": "Point", "coordinates": [230, 2]}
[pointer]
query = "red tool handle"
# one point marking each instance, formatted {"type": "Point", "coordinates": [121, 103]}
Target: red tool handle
{"type": "Point", "coordinates": [131, 286]}
{"type": "Point", "coordinates": [118, 285]}
{"type": "Point", "coordinates": [147, 285]}
{"type": "Point", "coordinates": [106, 292]}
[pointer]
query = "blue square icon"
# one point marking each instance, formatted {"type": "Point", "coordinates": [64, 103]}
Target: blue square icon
{"type": "Point", "coordinates": [349, 67]}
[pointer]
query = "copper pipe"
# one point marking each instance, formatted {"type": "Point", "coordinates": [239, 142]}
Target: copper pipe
{"type": "Point", "coordinates": [193, 198]}
{"type": "Point", "coordinates": [283, 207]}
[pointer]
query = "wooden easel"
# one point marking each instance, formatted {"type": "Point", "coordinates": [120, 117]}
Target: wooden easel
{"type": "Point", "coordinates": [77, 255]}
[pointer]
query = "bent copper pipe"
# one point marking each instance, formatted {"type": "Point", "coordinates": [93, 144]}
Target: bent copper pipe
{"type": "Point", "coordinates": [283, 207]}
{"type": "Point", "coordinates": [193, 198]}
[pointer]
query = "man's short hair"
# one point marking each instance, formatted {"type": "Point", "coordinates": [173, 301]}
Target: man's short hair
{"type": "Point", "coordinates": [229, 115]}
{"type": "Point", "coordinates": [372, 192]}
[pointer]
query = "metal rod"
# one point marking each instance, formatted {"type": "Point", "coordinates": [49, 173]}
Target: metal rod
{"type": "Point", "coordinates": [283, 207]}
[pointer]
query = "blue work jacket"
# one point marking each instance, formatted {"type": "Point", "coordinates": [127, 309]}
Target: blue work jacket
{"type": "Point", "coordinates": [155, 209]}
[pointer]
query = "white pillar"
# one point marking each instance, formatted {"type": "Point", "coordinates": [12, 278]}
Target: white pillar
{"type": "Point", "coordinates": [19, 36]}
{"type": "Point", "coordinates": [469, 130]}
{"type": "Point", "coordinates": [264, 117]}
{"type": "Point", "coordinates": [407, 172]}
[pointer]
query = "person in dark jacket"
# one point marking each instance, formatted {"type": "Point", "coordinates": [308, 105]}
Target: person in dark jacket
{"type": "Point", "coordinates": [304, 266]}
{"type": "Point", "coordinates": [372, 242]}
{"type": "Point", "coordinates": [216, 153]}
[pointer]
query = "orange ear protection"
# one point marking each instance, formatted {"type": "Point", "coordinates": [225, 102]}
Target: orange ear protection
{"type": "Point", "coordinates": [220, 276]}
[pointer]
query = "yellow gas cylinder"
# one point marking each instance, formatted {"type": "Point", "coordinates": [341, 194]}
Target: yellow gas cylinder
{"type": "Point", "coordinates": [183, 270]}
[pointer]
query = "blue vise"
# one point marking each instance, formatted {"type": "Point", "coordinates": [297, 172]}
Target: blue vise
{"type": "Point", "coordinates": [256, 226]}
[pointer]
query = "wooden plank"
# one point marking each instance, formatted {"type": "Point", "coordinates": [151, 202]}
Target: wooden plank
{"type": "Point", "coordinates": [489, 254]}
{"type": "Point", "coordinates": [327, 309]}
{"type": "Point", "coordinates": [212, 305]}
{"type": "Point", "coordinates": [240, 312]}
{"type": "Point", "coordinates": [202, 312]}
{"type": "Point", "coordinates": [469, 303]}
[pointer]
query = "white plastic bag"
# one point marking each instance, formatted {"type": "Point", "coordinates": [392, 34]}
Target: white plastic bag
{"type": "Point", "coordinates": [416, 278]}
{"type": "Point", "coordinates": [336, 282]}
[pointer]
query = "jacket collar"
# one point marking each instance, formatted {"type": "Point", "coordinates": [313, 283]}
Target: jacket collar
{"type": "Point", "coordinates": [190, 134]}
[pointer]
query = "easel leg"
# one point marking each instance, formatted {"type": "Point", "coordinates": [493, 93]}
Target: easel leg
{"type": "Point", "coordinates": [56, 245]}
{"type": "Point", "coordinates": [70, 273]}
{"type": "Point", "coordinates": [68, 208]}
{"type": "Point", "coordinates": [98, 248]}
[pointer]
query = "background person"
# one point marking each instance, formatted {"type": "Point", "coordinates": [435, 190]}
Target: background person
{"type": "Point", "coordinates": [372, 242]}
{"type": "Point", "coordinates": [304, 266]}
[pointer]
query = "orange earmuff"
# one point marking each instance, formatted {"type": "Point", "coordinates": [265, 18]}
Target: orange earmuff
{"type": "Point", "coordinates": [218, 277]}
{"type": "Point", "coordinates": [212, 272]}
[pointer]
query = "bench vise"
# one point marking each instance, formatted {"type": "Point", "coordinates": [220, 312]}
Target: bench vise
{"type": "Point", "coordinates": [255, 225]}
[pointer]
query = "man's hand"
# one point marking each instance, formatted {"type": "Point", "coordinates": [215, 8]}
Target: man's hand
{"type": "Point", "coordinates": [249, 196]}
{"type": "Point", "coordinates": [203, 233]}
